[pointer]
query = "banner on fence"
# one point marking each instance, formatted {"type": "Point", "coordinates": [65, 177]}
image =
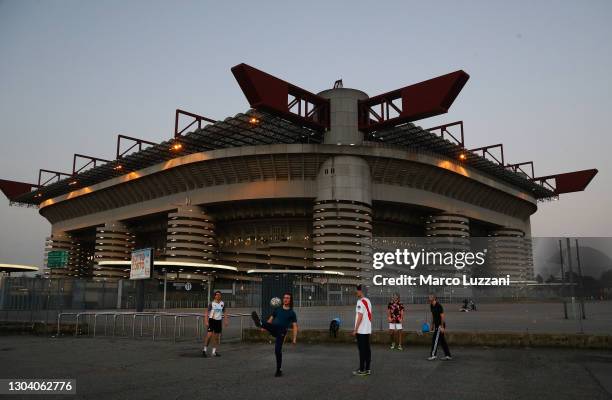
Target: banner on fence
{"type": "Point", "coordinates": [142, 264]}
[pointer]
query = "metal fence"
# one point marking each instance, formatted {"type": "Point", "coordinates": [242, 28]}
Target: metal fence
{"type": "Point", "coordinates": [24, 299]}
{"type": "Point", "coordinates": [176, 326]}
{"type": "Point", "coordinates": [317, 301]}
{"type": "Point", "coordinates": [37, 294]}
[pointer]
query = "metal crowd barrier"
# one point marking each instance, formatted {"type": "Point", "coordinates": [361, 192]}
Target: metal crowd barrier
{"type": "Point", "coordinates": [152, 320]}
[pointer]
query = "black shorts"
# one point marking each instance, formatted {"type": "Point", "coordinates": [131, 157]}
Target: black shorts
{"type": "Point", "coordinates": [215, 325]}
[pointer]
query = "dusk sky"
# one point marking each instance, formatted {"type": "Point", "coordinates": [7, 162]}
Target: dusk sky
{"type": "Point", "coordinates": [74, 74]}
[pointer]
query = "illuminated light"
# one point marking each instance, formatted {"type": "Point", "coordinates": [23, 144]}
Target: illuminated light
{"type": "Point", "coordinates": [253, 120]}
{"type": "Point", "coordinates": [73, 182]}
{"type": "Point", "coordinates": [172, 263]}
{"type": "Point", "coordinates": [16, 267]}
{"type": "Point", "coordinates": [293, 271]}
{"type": "Point", "coordinates": [453, 167]}
{"type": "Point", "coordinates": [176, 146]}
{"type": "Point", "coordinates": [118, 167]}
{"type": "Point", "coordinates": [462, 156]}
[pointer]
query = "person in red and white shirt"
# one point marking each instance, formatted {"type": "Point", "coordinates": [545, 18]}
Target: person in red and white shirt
{"type": "Point", "coordinates": [395, 316]}
{"type": "Point", "coordinates": [362, 331]}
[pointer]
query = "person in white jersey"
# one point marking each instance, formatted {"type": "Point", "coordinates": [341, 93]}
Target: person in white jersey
{"type": "Point", "coordinates": [214, 318]}
{"type": "Point", "coordinates": [362, 331]}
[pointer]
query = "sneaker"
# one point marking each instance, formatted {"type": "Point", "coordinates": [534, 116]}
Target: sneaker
{"type": "Point", "coordinates": [392, 346]}
{"type": "Point", "coordinates": [431, 358]}
{"type": "Point", "coordinates": [359, 372]}
{"type": "Point", "coordinates": [204, 354]}
{"type": "Point", "coordinates": [216, 355]}
{"type": "Point", "coordinates": [278, 374]}
{"type": "Point", "coordinates": [447, 358]}
{"type": "Point", "coordinates": [256, 319]}
{"type": "Point", "coordinates": [368, 372]}
{"type": "Point", "coordinates": [400, 348]}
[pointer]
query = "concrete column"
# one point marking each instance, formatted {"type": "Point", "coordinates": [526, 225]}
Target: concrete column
{"type": "Point", "coordinates": [114, 246]}
{"type": "Point", "coordinates": [61, 241]}
{"type": "Point", "coordinates": [343, 116]}
{"type": "Point", "coordinates": [510, 253]}
{"type": "Point", "coordinates": [342, 233]}
{"type": "Point", "coordinates": [448, 232]}
{"type": "Point", "coordinates": [119, 293]}
{"type": "Point", "coordinates": [191, 236]}
{"type": "Point", "coordinates": [343, 216]}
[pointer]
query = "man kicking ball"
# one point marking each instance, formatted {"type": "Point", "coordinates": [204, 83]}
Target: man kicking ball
{"type": "Point", "coordinates": [362, 331]}
{"type": "Point", "coordinates": [395, 316]}
{"type": "Point", "coordinates": [439, 326]}
{"type": "Point", "coordinates": [278, 324]}
{"type": "Point", "coordinates": [214, 317]}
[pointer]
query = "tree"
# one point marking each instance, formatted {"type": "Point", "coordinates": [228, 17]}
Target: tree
{"type": "Point", "coordinates": [606, 279]}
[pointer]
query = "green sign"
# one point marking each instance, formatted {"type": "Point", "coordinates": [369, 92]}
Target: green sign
{"type": "Point", "coordinates": [57, 259]}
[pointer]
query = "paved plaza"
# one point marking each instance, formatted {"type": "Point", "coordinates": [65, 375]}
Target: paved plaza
{"type": "Point", "coordinates": [141, 369]}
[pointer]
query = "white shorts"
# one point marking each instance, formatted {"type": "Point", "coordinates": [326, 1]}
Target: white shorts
{"type": "Point", "coordinates": [397, 327]}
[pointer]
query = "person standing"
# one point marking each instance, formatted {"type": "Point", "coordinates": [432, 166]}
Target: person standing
{"type": "Point", "coordinates": [278, 324]}
{"type": "Point", "coordinates": [395, 316]}
{"type": "Point", "coordinates": [214, 317]}
{"type": "Point", "coordinates": [439, 327]}
{"type": "Point", "coordinates": [362, 331]}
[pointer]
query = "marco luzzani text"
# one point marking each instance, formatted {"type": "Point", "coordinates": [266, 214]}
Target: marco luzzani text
{"type": "Point", "coordinates": [407, 259]}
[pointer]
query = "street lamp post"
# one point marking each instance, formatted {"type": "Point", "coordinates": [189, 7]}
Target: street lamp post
{"type": "Point", "coordinates": [581, 280]}
{"type": "Point", "coordinates": [562, 280]}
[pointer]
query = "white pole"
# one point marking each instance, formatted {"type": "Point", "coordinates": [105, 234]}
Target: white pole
{"type": "Point", "coordinates": [165, 283]}
{"type": "Point", "coordinates": [119, 293]}
{"type": "Point", "coordinates": [210, 282]}
{"type": "Point", "coordinates": [300, 284]}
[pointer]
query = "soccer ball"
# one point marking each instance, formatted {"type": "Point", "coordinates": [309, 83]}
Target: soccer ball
{"type": "Point", "coordinates": [275, 302]}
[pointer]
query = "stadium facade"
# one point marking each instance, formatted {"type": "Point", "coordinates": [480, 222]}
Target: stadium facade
{"type": "Point", "coordinates": [300, 183]}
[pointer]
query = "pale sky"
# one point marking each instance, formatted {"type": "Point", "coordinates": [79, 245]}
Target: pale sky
{"type": "Point", "coordinates": [73, 74]}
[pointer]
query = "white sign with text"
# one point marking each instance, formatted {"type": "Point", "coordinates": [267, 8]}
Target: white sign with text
{"type": "Point", "coordinates": [142, 260]}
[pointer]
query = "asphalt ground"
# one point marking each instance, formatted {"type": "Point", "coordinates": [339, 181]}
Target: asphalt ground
{"type": "Point", "coordinates": [122, 368]}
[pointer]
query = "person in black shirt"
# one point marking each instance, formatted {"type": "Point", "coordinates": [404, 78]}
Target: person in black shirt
{"type": "Point", "coordinates": [439, 326]}
{"type": "Point", "coordinates": [278, 324]}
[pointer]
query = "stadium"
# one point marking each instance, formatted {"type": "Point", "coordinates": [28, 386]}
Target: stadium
{"type": "Point", "coordinates": [301, 183]}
